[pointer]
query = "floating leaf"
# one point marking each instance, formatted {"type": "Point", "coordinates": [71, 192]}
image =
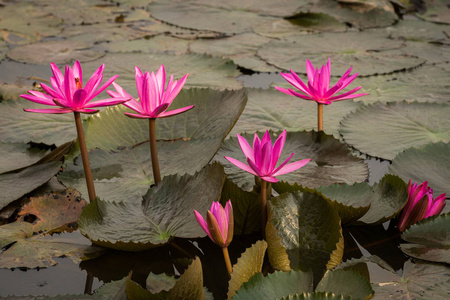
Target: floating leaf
{"type": "Point", "coordinates": [249, 264]}
{"type": "Point", "coordinates": [316, 296]}
{"type": "Point", "coordinates": [167, 211]}
{"type": "Point", "coordinates": [433, 53]}
{"type": "Point", "coordinates": [424, 84]}
{"type": "Point", "coordinates": [38, 128]}
{"type": "Point", "coordinates": [270, 109]}
{"type": "Point", "coordinates": [241, 49]}
{"type": "Point", "coordinates": [203, 71]}
{"type": "Point", "coordinates": [214, 114]}
{"type": "Point", "coordinates": [419, 281]}
{"type": "Point", "coordinates": [400, 125]}
{"type": "Point", "coordinates": [418, 30]}
{"type": "Point", "coordinates": [331, 161]}
{"type": "Point", "coordinates": [300, 24]}
{"type": "Point", "coordinates": [101, 34]}
{"type": "Point", "coordinates": [309, 228]}
{"type": "Point", "coordinates": [17, 155]}
{"type": "Point", "coordinates": [53, 211]}
{"type": "Point", "coordinates": [359, 13]}
{"type": "Point", "coordinates": [157, 44]}
{"type": "Point", "coordinates": [246, 208]}
{"type": "Point", "coordinates": [366, 51]}
{"type": "Point", "coordinates": [430, 163]}
{"type": "Point", "coordinates": [436, 11]}
{"type": "Point", "coordinates": [58, 52]}
{"type": "Point", "coordinates": [14, 185]}
{"type": "Point", "coordinates": [430, 238]}
{"type": "Point", "coordinates": [188, 286]}
{"type": "Point", "coordinates": [275, 285]}
{"type": "Point", "coordinates": [345, 283]}
{"type": "Point", "coordinates": [191, 15]}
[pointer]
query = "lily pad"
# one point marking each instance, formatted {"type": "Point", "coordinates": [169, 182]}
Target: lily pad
{"type": "Point", "coordinates": [345, 283]}
{"type": "Point", "coordinates": [300, 24]}
{"type": "Point", "coordinates": [203, 71]}
{"type": "Point", "coordinates": [430, 238]}
{"type": "Point", "coordinates": [424, 84]}
{"type": "Point", "coordinates": [59, 52]}
{"type": "Point", "coordinates": [309, 228]}
{"type": "Point", "coordinates": [419, 281]}
{"type": "Point", "coordinates": [316, 296]}
{"type": "Point", "coordinates": [360, 13]}
{"type": "Point", "coordinates": [241, 49]}
{"type": "Point", "coordinates": [270, 109]}
{"type": "Point", "coordinates": [430, 163]}
{"type": "Point", "coordinates": [38, 128]}
{"type": "Point", "coordinates": [383, 200]}
{"type": "Point", "coordinates": [188, 286]}
{"type": "Point", "coordinates": [14, 185]}
{"type": "Point", "coordinates": [29, 248]}
{"type": "Point", "coordinates": [214, 114]}
{"type": "Point", "coordinates": [249, 264]}
{"type": "Point", "coordinates": [436, 11]}
{"type": "Point", "coordinates": [189, 14]}
{"type": "Point", "coordinates": [418, 30]}
{"type": "Point", "coordinates": [18, 155]}
{"type": "Point", "coordinates": [433, 53]}
{"type": "Point", "coordinates": [166, 212]}
{"type": "Point", "coordinates": [102, 33]}
{"type": "Point", "coordinates": [366, 51]}
{"type": "Point", "coordinates": [156, 44]}
{"type": "Point", "coordinates": [275, 285]}
{"type": "Point", "coordinates": [331, 161]}
{"type": "Point", "coordinates": [36, 25]}
{"type": "Point", "coordinates": [400, 125]}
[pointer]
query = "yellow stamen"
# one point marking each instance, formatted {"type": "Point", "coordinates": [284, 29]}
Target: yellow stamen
{"type": "Point", "coordinates": [77, 81]}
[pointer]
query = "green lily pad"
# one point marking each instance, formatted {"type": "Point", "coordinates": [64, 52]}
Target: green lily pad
{"type": "Point", "coordinates": [424, 84]}
{"type": "Point", "coordinates": [196, 16]}
{"type": "Point", "coordinates": [345, 283]}
{"type": "Point", "coordinates": [360, 13]}
{"type": "Point", "coordinates": [383, 200]}
{"type": "Point", "coordinates": [366, 51]}
{"type": "Point", "coordinates": [19, 155]}
{"type": "Point", "coordinates": [29, 247]}
{"type": "Point", "coordinates": [400, 125]}
{"type": "Point", "coordinates": [433, 53]}
{"type": "Point", "coordinates": [430, 238]}
{"type": "Point", "coordinates": [38, 128]}
{"type": "Point", "coordinates": [430, 163]}
{"type": "Point", "coordinates": [102, 33]}
{"type": "Point", "coordinates": [166, 212]}
{"type": "Point", "coordinates": [203, 71]}
{"type": "Point", "coordinates": [418, 30]}
{"type": "Point", "coordinates": [13, 91]}
{"type": "Point", "coordinates": [249, 264]}
{"type": "Point", "coordinates": [214, 114]}
{"type": "Point", "coordinates": [331, 161]}
{"type": "Point", "coordinates": [156, 44]}
{"type": "Point", "coordinates": [316, 296]}
{"type": "Point", "coordinates": [300, 24]}
{"type": "Point", "coordinates": [188, 286]}
{"type": "Point", "coordinates": [275, 285]}
{"type": "Point", "coordinates": [241, 49]}
{"type": "Point", "coordinates": [419, 281]}
{"type": "Point", "coordinates": [246, 208]}
{"type": "Point", "coordinates": [309, 228]}
{"type": "Point", "coordinates": [14, 185]}
{"type": "Point", "coordinates": [36, 25]}
{"type": "Point", "coordinates": [435, 11]}
{"type": "Point", "coordinates": [271, 109]}
{"type": "Point", "coordinates": [59, 52]}
{"type": "Point", "coordinates": [127, 175]}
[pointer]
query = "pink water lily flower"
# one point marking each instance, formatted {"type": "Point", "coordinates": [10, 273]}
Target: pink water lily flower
{"type": "Point", "coordinates": [68, 94]}
{"type": "Point", "coordinates": [219, 224]}
{"type": "Point", "coordinates": [420, 205]}
{"type": "Point", "coordinates": [318, 87]}
{"type": "Point", "coordinates": [263, 158]}
{"type": "Point", "coordinates": [155, 98]}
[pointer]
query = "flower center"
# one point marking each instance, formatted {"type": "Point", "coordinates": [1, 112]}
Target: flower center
{"type": "Point", "coordinates": [78, 83]}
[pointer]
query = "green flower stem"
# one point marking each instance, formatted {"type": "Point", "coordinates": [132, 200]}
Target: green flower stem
{"type": "Point", "coordinates": [227, 260]}
{"type": "Point", "coordinates": [263, 207]}
{"type": "Point", "coordinates": [85, 158]}
{"type": "Point", "coordinates": [319, 116]}
{"type": "Point", "coordinates": [153, 151]}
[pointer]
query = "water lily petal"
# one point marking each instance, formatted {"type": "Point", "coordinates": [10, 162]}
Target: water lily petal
{"type": "Point", "coordinates": [241, 165]}
{"type": "Point", "coordinates": [202, 222]}
{"type": "Point", "coordinates": [175, 111]}
{"type": "Point", "coordinates": [291, 167]}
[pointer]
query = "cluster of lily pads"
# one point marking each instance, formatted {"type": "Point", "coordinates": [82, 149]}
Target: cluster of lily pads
{"type": "Point", "coordinates": [311, 210]}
